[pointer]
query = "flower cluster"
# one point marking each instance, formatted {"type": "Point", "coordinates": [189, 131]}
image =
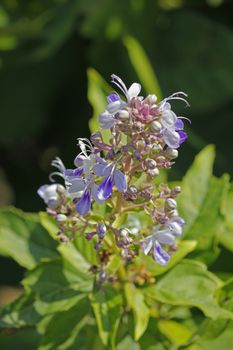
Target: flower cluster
{"type": "Point", "coordinates": [122, 176]}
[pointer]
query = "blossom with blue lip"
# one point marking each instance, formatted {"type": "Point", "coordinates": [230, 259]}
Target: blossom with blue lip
{"type": "Point", "coordinates": [163, 236]}
{"type": "Point", "coordinates": [112, 176]}
{"type": "Point", "coordinates": [80, 181]}
{"type": "Point", "coordinates": [172, 126]}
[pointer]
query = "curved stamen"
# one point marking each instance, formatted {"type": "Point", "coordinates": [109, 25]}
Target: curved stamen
{"type": "Point", "coordinates": [118, 82]}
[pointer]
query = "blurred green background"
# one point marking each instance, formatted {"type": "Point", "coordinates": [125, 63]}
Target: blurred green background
{"type": "Point", "coordinates": [46, 48]}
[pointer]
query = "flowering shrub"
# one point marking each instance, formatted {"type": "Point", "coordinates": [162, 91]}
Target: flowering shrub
{"type": "Point", "coordinates": [144, 138]}
{"type": "Point", "coordinates": [106, 267]}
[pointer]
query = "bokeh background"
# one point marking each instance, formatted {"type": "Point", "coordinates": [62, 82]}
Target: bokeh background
{"type": "Point", "coordinates": [46, 48]}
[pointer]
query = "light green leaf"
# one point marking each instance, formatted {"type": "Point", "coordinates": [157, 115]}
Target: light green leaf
{"type": "Point", "coordinates": [195, 186]}
{"type": "Point", "coordinates": [58, 285]}
{"type": "Point", "coordinates": [142, 66]}
{"type": "Point", "coordinates": [226, 237]}
{"type": "Point", "coordinates": [190, 284]}
{"type": "Point", "coordinates": [107, 305]}
{"type": "Point", "coordinates": [128, 344]}
{"type": "Point", "coordinates": [24, 239]}
{"type": "Point", "coordinates": [97, 91]}
{"type": "Point", "coordinates": [176, 332]}
{"type": "Point", "coordinates": [141, 312]}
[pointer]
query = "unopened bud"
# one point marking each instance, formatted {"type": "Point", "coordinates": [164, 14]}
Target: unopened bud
{"type": "Point", "coordinates": [151, 163]}
{"type": "Point", "coordinates": [151, 99]}
{"type": "Point", "coordinates": [155, 126]}
{"type": "Point", "coordinates": [153, 172]}
{"type": "Point", "coordinates": [172, 153]}
{"type": "Point", "coordinates": [171, 204]}
{"type": "Point", "coordinates": [101, 230]}
{"type": "Point", "coordinates": [133, 189]}
{"type": "Point", "coordinates": [61, 218]}
{"type": "Point", "coordinates": [141, 145]}
{"type": "Point", "coordinates": [177, 189]}
{"type": "Point", "coordinates": [124, 234]}
{"type": "Point", "coordinates": [60, 189]}
{"type": "Point", "coordinates": [123, 115]}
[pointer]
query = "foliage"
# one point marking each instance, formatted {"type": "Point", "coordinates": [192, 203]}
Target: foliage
{"type": "Point", "coordinates": [62, 300]}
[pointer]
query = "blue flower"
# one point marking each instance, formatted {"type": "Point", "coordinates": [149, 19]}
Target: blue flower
{"type": "Point", "coordinates": [163, 237]}
{"type": "Point", "coordinates": [112, 176]}
{"type": "Point", "coordinates": [51, 194]}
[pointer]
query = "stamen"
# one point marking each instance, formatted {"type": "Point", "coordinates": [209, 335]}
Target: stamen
{"type": "Point", "coordinates": [118, 82]}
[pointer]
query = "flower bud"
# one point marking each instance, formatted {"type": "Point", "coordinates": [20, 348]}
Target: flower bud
{"type": "Point", "coordinates": [60, 189]}
{"type": "Point", "coordinates": [153, 172]}
{"type": "Point", "coordinates": [101, 230]}
{"type": "Point", "coordinates": [172, 153]}
{"type": "Point", "coordinates": [177, 189]}
{"type": "Point", "coordinates": [155, 126]}
{"type": "Point", "coordinates": [123, 115]}
{"type": "Point", "coordinates": [151, 99]}
{"type": "Point", "coordinates": [124, 234]}
{"type": "Point", "coordinates": [61, 218]}
{"type": "Point", "coordinates": [171, 204]}
{"type": "Point", "coordinates": [150, 163]}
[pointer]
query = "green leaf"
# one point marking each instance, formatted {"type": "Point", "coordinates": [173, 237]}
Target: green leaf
{"type": "Point", "coordinates": [226, 237]}
{"type": "Point", "coordinates": [195, 185]}
{"type": "Point", "coordinates": [20, 313]}
{"type": "Point", "coordinates": [141, 312]}
{"type": "Point", "coordinates": [24, 239]}
{"type": "Point", "coordinates": [176, 332]}
{"type": "Point", "coordinates": [107, 305]}
{"type": "Point", "coordinates": [142, 66]}
{"type": "Point", "coordinates": [184, 248]}
{"type": "Point", "coordinates": [97, 91]}
{"type": "Point", "coordinates": [63, 330]}
{"type": "Point", "coordinates": [190, 284]}
{"type": "Point", "coordinates": [128, 343]}
{"type": "Point", "coordinates": [58, 285]}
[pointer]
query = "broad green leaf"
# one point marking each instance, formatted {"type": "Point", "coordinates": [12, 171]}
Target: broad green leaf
{"type": "Point", "coordinates": [49, 223]}
{"type": "Point", "coordinates": [195, 185]}
{"type": "Point", "coordinates": [64, 328]}
{"type": "Point", "coordinates": [128, 343]}
{"type": "Point", "coordinates": [176, 332]}
{"type": "Point", "coordinates": [24, 239]}
{"type": "Point", "coordinates": [226, 237]}
{"type": "Point", "coordinates": [21, 313]}
{"type": "Point", "coordinates": [141, 312]}
{"type": "Point", "coordinates": [85, 249]}
{"type": "Point", "coordinates": [97, 92]}
{"type": "Point", "coordinates": [184, 248]}
{"type": "Point", "coordinates": [208, 235]}
{"type": "Point", "coordinates": [107, 307]}
{"type": "Point", "coordinates": [142, 66]}
{"type": "Point", "coordinates": [190, 284]}
{"type": "Point", "coordinates": [58, 285]}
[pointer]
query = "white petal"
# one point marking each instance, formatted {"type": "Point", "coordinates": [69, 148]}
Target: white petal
{"type": "Point", "coordinates": [168, 119]}
{"type": "Point", "coordinates": [147, 244]}
{"type": "Point", "coordinates": [134, 90]}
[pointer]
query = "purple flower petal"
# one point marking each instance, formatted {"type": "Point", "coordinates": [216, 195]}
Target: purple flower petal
{"type": "Point", "coordinates": [147, 244]}
{"type": "Point", "coordinates": [171, 138]}
{"type": "Point", "coordinates": [183, 136]}
{"type": "Point", "coordinates": [120, 181]}
{"type": "Point", "coordinates": [94, 193]}
{"type": "Point", "coordinates": [106, 120]}
{"type": "Point", "coordinates": [84, 205]}
{"type": "Point", "coordinates": [179, 125]}
{"type": "Point", "coordinates": [77, 185]}
{"type": "Point", "coordinates": [165, 238]}
{"type": "Point", "coordinates": [41, 190]}
{"type": "Point", "coordinates": [99, 169]}
{"type": "Point", "coordinates": [160, 256]}
{"type": "Point", "coordinates": [105, 188]}
{"type": "Point", "coordinates": [113, 97]}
